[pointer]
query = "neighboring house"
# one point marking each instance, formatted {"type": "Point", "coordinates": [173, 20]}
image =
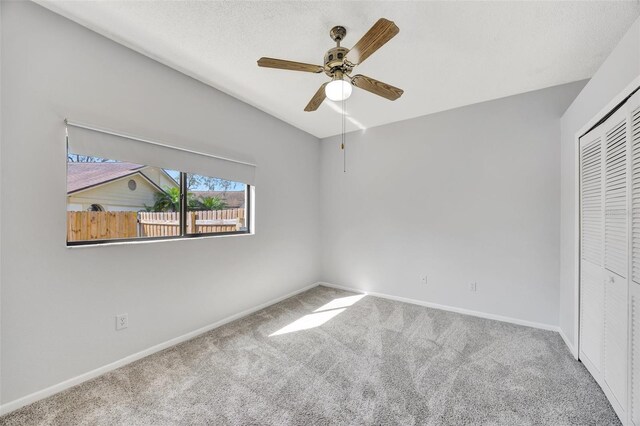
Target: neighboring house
{"type": "Point", "coordinates": [114, 186]}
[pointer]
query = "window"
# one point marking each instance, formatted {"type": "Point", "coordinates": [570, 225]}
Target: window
{"type": "Point", "coordinates": [215, 205]}
{"type": "Point", "coordinates": [109, 200]}
{"type": "Point", "coordinates": [95, 208]}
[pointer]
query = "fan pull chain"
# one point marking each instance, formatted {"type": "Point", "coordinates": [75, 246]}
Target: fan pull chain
{"type": "Point", "coordinates": [344, 136]}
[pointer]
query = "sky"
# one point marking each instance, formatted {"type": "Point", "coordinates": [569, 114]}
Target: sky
{"type": "Point", "coordinates": [201, 186]}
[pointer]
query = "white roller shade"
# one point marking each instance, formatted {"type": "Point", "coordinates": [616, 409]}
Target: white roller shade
{"type": "Point", "coordinates": [96, 142]}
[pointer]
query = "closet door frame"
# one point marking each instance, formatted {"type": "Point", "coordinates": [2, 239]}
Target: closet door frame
{"type": "Point", "coordinates": [634, 86]}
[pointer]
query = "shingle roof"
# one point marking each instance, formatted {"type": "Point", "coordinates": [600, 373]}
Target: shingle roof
{"type": "Point", "coordinates": [234, 199]}
{"type": "Point", "coordinates": [85, 175]}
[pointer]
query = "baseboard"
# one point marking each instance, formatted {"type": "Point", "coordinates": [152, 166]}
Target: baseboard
{"type": "Point", "coordinates": [448, 308]}
{"type": "Point", "coordinates": [51, 390]}
{"type": "Point", "coordinates": [572, 349]}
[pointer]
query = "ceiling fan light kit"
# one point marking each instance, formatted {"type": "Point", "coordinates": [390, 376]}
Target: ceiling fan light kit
{"type": "Point", "coordinates": [338, 89]}
{"type": "Point", "coordinates": [340, 61]}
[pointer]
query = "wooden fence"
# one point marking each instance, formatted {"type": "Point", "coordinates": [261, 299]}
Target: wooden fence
{"type": "Point", "coordinates": [162, 224]}
{"type": "Point", "coordinates": [228, 220]}
{"type": "Point", "coordinates": [82, 226]}
{"type": "Point", "coordinates": [85, 225]}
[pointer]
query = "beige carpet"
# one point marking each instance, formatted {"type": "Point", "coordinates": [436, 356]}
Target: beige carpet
{"type": "Point", "coordinates": [329, 357]}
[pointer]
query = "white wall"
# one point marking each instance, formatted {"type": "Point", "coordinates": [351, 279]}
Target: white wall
{"type": "Point", "coordinates": [618, 71]}
{"type": "Point", "coordinates": [59, 304]}
{"type": "Point", "coordinates": [467, 195]}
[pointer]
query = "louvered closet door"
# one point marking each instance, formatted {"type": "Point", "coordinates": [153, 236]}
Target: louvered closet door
{"type": "Point", "coordinates": [634, 288]}
{"type": "Point", "coordinates": [615, 248]}
{"type": "Point", "coordinates": [616, 255]}
{"type": "Point", "coordinates": [592, 249]}
{"type": "Point", "coordinates": [635, 355]}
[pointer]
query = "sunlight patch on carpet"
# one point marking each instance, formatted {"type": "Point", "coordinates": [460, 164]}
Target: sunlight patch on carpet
{"type": "Point", "coordinates": [341, 302]}
{"type": "Point", "coordinates": [308, 321]}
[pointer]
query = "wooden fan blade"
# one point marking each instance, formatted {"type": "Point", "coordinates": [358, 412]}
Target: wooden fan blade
{"type": "Point", "coordinates": [317, 99]}
{"type": "Point", "coordinates": [381, 32]}
{"type": "Point", "coordinates": [377, 87]}
{"type": "Point", "coordinates": [289, 65]}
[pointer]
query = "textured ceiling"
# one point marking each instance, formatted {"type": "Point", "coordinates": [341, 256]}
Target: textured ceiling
{"type": "Point", "coordinates": [447, 54]}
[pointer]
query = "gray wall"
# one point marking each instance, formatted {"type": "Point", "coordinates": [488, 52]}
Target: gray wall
{"type": "Point", "coordinates": [58, 304]}
{"type": "Point", "coordinates": [618, 71]}
{"type": "Point", "coordinates": [467, 195]}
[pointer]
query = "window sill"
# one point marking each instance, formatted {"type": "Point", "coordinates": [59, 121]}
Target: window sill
{"type": "Point", "coordinates": [152, 241]}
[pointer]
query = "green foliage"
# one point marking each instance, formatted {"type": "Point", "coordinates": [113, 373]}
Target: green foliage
{"type": "Point", "coordinates": [192, 203]}
{"type": "Point", "coordinates": [169, 201]}
{"type": "Point", "coordinates": [166, 201]}
{"type": "Point", "coordinates": [212, 203]}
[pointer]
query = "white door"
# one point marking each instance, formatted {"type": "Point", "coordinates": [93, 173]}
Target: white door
{"type": "Point", "coordinates": [615, 338]}
{"type": "Point", "coordinates": [592, 251]}
{"type": "Point", "coordinates": [634, 387]}
{"type": "Point", "coordinates": [634, 288]}
{"type": "Point", "coordinates": [616, 256]}
{"type": "Point", "coordinates": [610, 257]}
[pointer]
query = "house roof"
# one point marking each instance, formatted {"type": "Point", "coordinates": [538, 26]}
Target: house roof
{"type": "Point", "coordinates": [86, 175]}
{"type": "Point", "coordinates": [234, 199]}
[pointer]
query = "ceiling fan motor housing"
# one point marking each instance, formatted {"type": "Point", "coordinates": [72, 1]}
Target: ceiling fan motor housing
{"type": "Point", "coordinates": [334, 59]}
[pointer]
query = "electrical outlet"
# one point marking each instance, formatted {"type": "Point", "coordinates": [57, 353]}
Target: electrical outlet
{"type": "Point", "coordinates": [473, 286]}
{"type": "Point", "coordinates": [424, 279]}
{"type": "Point", "coordinates": [122, 321]}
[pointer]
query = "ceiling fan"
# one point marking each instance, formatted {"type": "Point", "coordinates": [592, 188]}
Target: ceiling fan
{"type": "Point", "coordinates": [340, 61]}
